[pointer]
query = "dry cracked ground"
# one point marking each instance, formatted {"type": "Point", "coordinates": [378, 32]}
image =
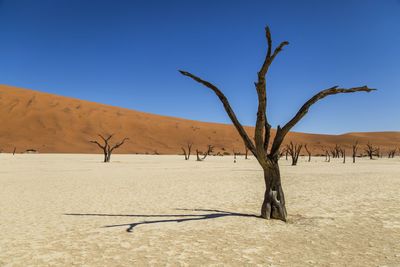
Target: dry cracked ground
{"type": "Point", "coordinates": [65, 210]}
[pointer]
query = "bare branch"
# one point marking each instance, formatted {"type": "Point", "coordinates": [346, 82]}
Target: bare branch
{"type": "Point", "coordinates": [228, 109]}
{"type": "Point", "coordinates": [118, 144]}
{"type": "Point", "coordinates": [269, 58]}
{"type": "Point", "coordinates": [281, 132]}
{"type": "Point", "coordinates": [262, 119]}
{"type": "Point", "coordinates": [106, 139]}
{"type": "Point", "coordinates": [97, 143]}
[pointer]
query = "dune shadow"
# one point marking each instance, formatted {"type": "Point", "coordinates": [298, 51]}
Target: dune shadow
{"type": "Point", "coordinates": [212, 214]}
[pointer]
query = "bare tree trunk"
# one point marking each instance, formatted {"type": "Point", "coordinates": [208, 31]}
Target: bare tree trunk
{"type": "Point", "coordinates": [273, 205]}
{"type": "Point", "coordinates": [15, 149]}
{"type": "Point", "coordinates": [197, 155]}
{"type": "Point", "coordinates": [327, 156]}
{"type": "Point", "coordinates": [355, 148]}
{"type": "Point", "coordinates": [308, 152]}
{"type": "Point", "coordinates": [392, 153]}
{"type": "Point", "coordinates": [294, 152]}
{"type": "Point", "coordinates": [184, 153]}
{"type": "Point", "coordinates": [108, 158]}
{"type": "Point", "coordinates": [371, 151]}
{"type": "Point", "coordinates": [187, 155]}
{"type": "Point", "coordinates": [247, 152]}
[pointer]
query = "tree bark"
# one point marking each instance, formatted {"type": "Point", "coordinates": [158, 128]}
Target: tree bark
{"type": "Point", "coordinates": [308, 152]}
{"type": "Point", "coordinates": [273, 206]}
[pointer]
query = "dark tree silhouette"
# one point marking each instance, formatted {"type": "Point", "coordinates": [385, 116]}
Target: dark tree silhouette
{"type": "Point", "coordinates": [327, 156]}
{"type": "Point", "coordinates": [355, 148]}
{"type": "Point", "coordinates": [246, 153]}
{"type": "Point", "coordinates": [392, 153]}
{"type": "Point", "coordinates": [107, 148]}
{"type": "Point", "coordinates": [187, 154]}
{"type": "Point", "coordinates": [343, 153]}
{"type": "Point", "coordinates": [308, 152]}
{"type": "Point", "coordinates": [234, 155]}
{"type": "Point", "coordinates": [336, 151]}
{"type": "Point", "coordinates": [210, 149]}
{"type": "Point", "coordinates": [371, 151]}
{"type": "Point", "coordinates": [274, 200]}
{"type": "Point", "coordinates": [15, 149]}
{"type": "Point", "coordinates": [294, 152]}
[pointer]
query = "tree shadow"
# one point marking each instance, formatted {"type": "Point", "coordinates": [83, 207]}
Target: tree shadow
{"type": "Point", "coordinates": [212, 214]}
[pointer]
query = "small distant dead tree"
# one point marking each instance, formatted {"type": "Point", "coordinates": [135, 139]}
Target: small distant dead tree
{"type": "Point", "coordinates": [336, 151]}
{"type": "Point", "coordinates": [246, 153]}
{"type": "Point", "coordinates": [355, 148]}
{"type": "Point", "coordinates": [392, 153]}
{"type": "Point", "coordinates": [274, 204]}
{"type": "Point", "coordinates": [106, 147]}
{"type": "Point", "coordinates": [327, 155]}
{"type": "Point", "coordinates": [234, 155]}
{"type": "Point", "coordinates": [294, 152]}
{"type": "Point", "coordinates": [371, 150]}
{"type": "Point", "coordinates": [187, 154]}
{"type": "Point", "coordinates": [15, 149]}
{"type": "Point", "coordinates": [308, 152]}
{"type": "Point", "coordinates": [210, 149]}
{"type": "Point", "coordinates": [343, 153]}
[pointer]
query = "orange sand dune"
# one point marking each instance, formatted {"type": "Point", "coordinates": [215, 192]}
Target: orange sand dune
{"type": "Point", "coordinates": [55, 124]}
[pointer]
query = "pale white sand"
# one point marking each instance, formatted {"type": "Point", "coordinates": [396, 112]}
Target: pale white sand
{"type": "Point", "coordinates": [339, 215]}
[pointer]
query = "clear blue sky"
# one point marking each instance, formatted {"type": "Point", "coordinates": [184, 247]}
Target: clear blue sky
{"type": "Point", "coordinates": [127, 53]}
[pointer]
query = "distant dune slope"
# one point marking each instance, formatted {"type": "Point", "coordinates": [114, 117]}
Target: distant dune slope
{"type": "Point", "coordinates": [55, 124]}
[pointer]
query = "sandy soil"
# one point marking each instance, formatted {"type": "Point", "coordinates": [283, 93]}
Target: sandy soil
{"type": "Point", "coordinates": [54, 124]}
{"type": "Point", "coordinates": [64, 210]}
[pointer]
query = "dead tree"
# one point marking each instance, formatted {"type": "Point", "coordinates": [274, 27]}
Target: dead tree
{"type": "Point", "coordinates": [15, 149]}
{"type": "Point", "coordinates": [371, 150]}
{"type": "Point", "coordinates": [294, 152]}
{"type": "Point", "coordinates": [327, 156]}
{"type": "Point", "coordinates": [341, 152]}
{"type": "Point", "coordinates": [392, 153]}
{"type": "Point", "coordinates": [187, 155]}
{"type": "Point", "coordinates": [246, 153]}
{"type": "Point", "coordinates": [107, 148]}
{"type": "Point", "coordinates": [273, 205]}
{"type": "Point", "coordinates": [333, 152]}
{"type": "Point", "coordinates": [336, 151]}
{"type": "Point", "coordinates": [210, 149]}
{"type": "Point", "coordinates": [234, 155]}
{"type": "Point", "coordinates": [355, 148]}
{"type": "Point", "coordinates": [308, 152]}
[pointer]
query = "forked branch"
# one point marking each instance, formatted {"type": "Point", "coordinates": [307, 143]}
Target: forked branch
{"type": "Point", "coordinates": [281, 132]}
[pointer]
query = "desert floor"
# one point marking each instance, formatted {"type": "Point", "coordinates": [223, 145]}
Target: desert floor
{"type": "Point", "coordinates": [162, 210]}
